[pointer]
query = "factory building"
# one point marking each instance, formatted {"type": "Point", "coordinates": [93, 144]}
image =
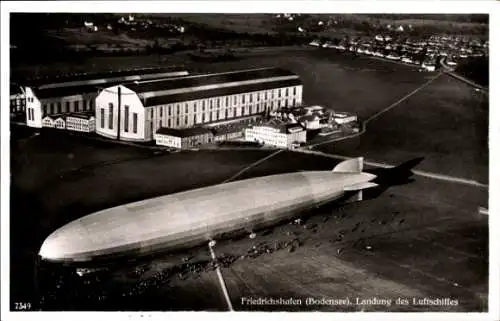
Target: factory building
{"type": "Point", "coordinates": [78, 95]}
{"type": "Point", "coordinates": [134, 112]}
{"type": "Point", "coordinates": [81, 122]}
{"type": "Point", "coordinates": [183, 138]}
{"type": "Point", "coordinates": [277, 133]}
{"type": "Point", "coordinates": [17, 101]}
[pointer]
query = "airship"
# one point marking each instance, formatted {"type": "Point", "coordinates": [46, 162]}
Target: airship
{"type": "Point", "coordinates": [192, 217]}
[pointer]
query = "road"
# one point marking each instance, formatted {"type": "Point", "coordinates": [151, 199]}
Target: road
{"type": "Point", "coordinates": [451, 71]}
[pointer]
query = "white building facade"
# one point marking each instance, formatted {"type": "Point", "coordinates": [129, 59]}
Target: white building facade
{"type": "Point", "coordinates": [136, 112]}
{"type": "Point", "coordinates": [279, 135]}
{"type": "Point", "coordinates": [80, 122]}
{"type": "Point", "coordinates": [78, 95]}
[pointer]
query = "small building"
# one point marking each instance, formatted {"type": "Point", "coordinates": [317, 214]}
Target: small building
{"type": "Point", "coordinates": [344, 118]}
{"type": "Point", "coordinates": [227, 133]}
{"type": "Point", "coordinates": [428, 67]}
{"type": "Point", "coordinates": [81, 122]}
{"type": "Point", "coordinates": [277, 133]}
{"type": "Point", "coordinates": [17, 100]}
{"type": "Point", "coordinates": [183, 138]}
{"type": "Point", "coordinates": [311, 122]}
{"type": "Point", "coordinates": [59, 121]}
{"type": "Point", "coordinates": [48, 121]}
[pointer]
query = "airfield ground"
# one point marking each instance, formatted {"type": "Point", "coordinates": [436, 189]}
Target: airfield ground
{"type": "Point", "coordinates": [426, 237]}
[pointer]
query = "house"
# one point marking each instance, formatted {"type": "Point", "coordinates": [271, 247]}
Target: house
{"type": "Point", "coordinates": [81, 122]}
{"type": "Point", "coordinates": [276, 133]}
{"type": "Point", "coordinates": [183, 138]}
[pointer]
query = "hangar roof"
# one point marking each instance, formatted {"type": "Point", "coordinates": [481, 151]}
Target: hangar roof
{"type": "Point", "coordinates": [193, 95]}
{"type": "Point", "coordinates": [91, 83]}
{"type": "Point", "coordinates": [208, 79]}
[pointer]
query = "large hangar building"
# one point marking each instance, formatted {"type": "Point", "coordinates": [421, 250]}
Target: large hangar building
{"type": "Point", "coordinates": [77, 94]}
{"type": "Point", "coordinates": [135, 112]}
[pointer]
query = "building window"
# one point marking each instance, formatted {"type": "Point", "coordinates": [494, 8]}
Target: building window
{"type": "Point", "coordinates": [194, 119]}
{"type": "Point", "coordinates": [91, 104]}
{"type": "Point", "coordinates": [59, 107]}
{"type": "Point", "coordinates": [169, 110]}
{"type": "Point", "coordinates": [251, 109]}
{"type": "Point", "coordinates": [211, 104]}
{"type": "Point", "coordinates": [293, 103]}
{"type": "Point", "coordinates": [265, 95]}
{"type": "Point", "coordinates": [235, 99]}
{"type": "Point", "coordinates": [84, 105]}
{"type": "Point", "coordinates": [242, 111]}
{"type": "Point", "coordinates": [218, 102]}
{"type": "Point", "coordinates": [126, 118]}
{"type": "Point", "coordinates": [218, 115]}
{"type": "Point", "coordinates": [227, 101]}
{"type": "Point", "coordinates": [110, 120]}
{"type": "Point", "coordinates": [226, 113]}
{"type": "Point", "coordinates": [279, 93]}
{"type": "Point", "coordinates": [286, 91]}
{"type": "Point", "coordinates": [243, 98]}
{"type": "Point", "coordinates": [161, 112]}
{"type": "Point", "coordinates": [134, 122]}
{"type": "Point", "coordinates": [77, 105]}
{"type": "Point", "coordinates": [178, 109]}
{"type": "Point", "coordinates": [102, 117]}
{"type": "Point", "coordinates": [203, 118]}
{"type": "Point", "coordinates": [286, 103]}
{"type": "Point", "coordinates": [258, 96]}
{"type": "Point", "coordinates": [203, 105]}
{"type": "Point", "coordinates": [186, 108]}
{"type": "Point", "coordinates": [251, 97]}
{"type": "Point", "coordinates": [185, 120]}
{"type": "Point", "coordinates": [44, 109]}
{"type": "Point", "coordinates": [294, 91]}
{"type": "Point", "coordinates": [195, 107]}
{"type": "Point", "coordinates": [210, 116]}
{"type": "Point", "coordinates": [152, 113]}
{"type": "Point", "coordinates": [177, 122]}
{"type": "Point", "coordinates": [51, 108]}
{"type": "Point", "coordinates": [169, 122]}
{"type": "Point", "coordinates": [67, 107]}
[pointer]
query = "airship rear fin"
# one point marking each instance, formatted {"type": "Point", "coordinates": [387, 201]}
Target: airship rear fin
{"type": "Point", "coordinates": [353, 165]}
{"type": "Point", "coordinates": [361, 186]}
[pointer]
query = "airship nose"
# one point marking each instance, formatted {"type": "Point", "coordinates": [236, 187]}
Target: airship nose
{"type": "Point", "coordinates": [65, 243]}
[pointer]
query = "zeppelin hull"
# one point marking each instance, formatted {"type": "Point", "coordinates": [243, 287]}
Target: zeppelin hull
{"type": "Point", "coordinates": [190, 218]}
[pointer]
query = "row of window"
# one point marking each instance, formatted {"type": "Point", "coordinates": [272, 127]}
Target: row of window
{"type": "Point", "coordinates": [244, 98]}
{"type": "Point", "coordinates": [57, 108]}
{"type": "Point", "coordinates": [215, 115]}
{"type": "Point", "coordinates": [126, 118]}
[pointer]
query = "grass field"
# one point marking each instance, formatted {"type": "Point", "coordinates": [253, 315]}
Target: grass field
{"type": "Point", "coordinates": [447, 123]}
{"type": "Point", "coordinates": [56, 179]}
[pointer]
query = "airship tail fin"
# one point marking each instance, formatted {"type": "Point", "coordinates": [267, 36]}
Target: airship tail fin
{"type": "Point", "coordinates": [353, 165]}
{"type": "Point", "coordinates": [359, 188]}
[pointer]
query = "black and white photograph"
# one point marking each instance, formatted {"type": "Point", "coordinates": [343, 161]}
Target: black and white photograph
{"type": "Point", "coordinates": [219, 157]}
